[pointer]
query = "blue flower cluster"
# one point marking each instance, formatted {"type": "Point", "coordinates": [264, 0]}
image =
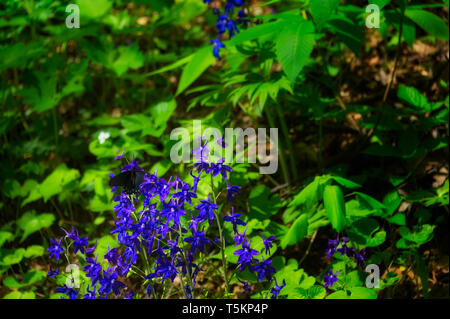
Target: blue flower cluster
{"type": "Point", "coordinates": [335, 245]}
{"type": "Point", "coordinates": [226, 22]}
{"type": "Point", "coordinates": [246, 255]}
{"type": "Point", "coordinates": [164, 235]}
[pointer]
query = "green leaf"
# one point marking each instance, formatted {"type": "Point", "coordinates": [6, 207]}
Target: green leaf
{"type": "Point", "coordinates": [413, 97]}
{"type": "Point", "coordinates": [30, 278]}
{"type": "Point", "coordinates": [314, 292]}
{"type": "Point", "coordinates": [11, 188]}
{"type": "Point", "coordinates": [94, 9]}
{"type": "Point", "coordinates": [348, 31]}
{"type": "Point", "coordinates": [311, 194]}
{"type": "Point", "coordinates": [346, 182]}
{"type": "Point", "coordinates": [19, 55]}
{"type": "Point", "coordinates": [370, 202]}
{"type": "Point", "coordinates": [103, 244]}
{"type": "Point", "coordinates": [362, 293]}
{"type": "Point", "coordinates": [431, 23]}
{"type": "Point", "coordinates": [161, 167]}
{"type": "Point", "coordinates": [11, 257]}
{"type": "Point", "coordinates": [55, 182]}
{"type": "Point", "coordinates": [34, 251]}
{"type": "Point", "coordinates": [5, 236]}
{"type": "Point", "coordinates": [421, 235]}
{"type": "Point", "coordinates": [196, 66]}
{"type": "Point", "coordinates": [172, 66]}
{"type": "Point", "coordinates": [392, 201]}
{"type": "Point", "coordinates": [20, 295]}
{"type": "Point", "coordinates": [335, 206]}
{"type": "Point", "coordinates": [294, 46]}
{"type": "Point", "coordinates": [297, 231]}
{"type": "Point", "coordinates": [321, 10]}
{"type": "Point", "coordinates": [262, 204]}
{"type": "Point", "coordinates": [364, 232]}
{"type": "Point", "coordinates": [160, 115]}
{"type": "Point", "coordinates": [262, 31]}
{"type": "Point", "coordinates": [129, 58]}
{"type": "Point", "coordinates": [340, 294]}
{"type": "Point", "coordinates": [399, 219]}
{"type": "Point", "coordinates": [31, 222]}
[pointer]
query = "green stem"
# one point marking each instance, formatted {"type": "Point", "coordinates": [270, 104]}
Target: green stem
{"type": "Point", "coordinates": [188, 270]}
{"type": "Point", "coordinates": [284, 168]}
{"type": "Point", "coordinates": [321, 145]}
{"type": "Point", "coordinates": [284, 129]}
{"type": "Point", "coordinates": [222, 240]}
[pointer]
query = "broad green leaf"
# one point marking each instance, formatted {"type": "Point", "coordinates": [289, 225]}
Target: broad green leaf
{"type": "Point", "coordinates": [55, 182]}
{"type": "Point", "coordinates": [11, 188]}
{"type": "Point", "coordinates": [94, 9]}
{"type": "Point", "coordinates": [345, 182]}
{"type": "Point", "coordinates": [5, 236]}
{"type": "Point", "coordinates": [413, 97]}
{"type": "Point", "coordinates": [262, 204]}
{"type": "Point", "coordinates": [172, 66]}
{"type": "Point", "coordinates": [365, 232]}
{"type": "Point", "coordinates": [333, 199]}
{"type": "Point", "coordinates": [348, 31]}
{"type": "Point", "coordinates": [11, 256]}
{"type": "Point", "coordinates": [20, 295]}
{"type": "Point", "coordinates": [398, 219]}
{"type": "Point", "coordinates": [30, 278]}
{"type": "Point", "coordinates": [428, 21]}
{"type": "Point", "coordinates": [34, 251]}
{"type": "Point", "coordinates": [103, 244]}
{"type": "Point", "coordinates": [421, 235]}
{"type": "Point", "coordinates": [261, 31]}
{"type": "Point", "coordinates": [322, 10]}
{"type": "Point", "coordinates": [160, 115]}
{"type": "Point", "coordinates": [297, 231]}
{"type": "Point", "coordinates": [362, 293]}
{"type": "Point", "coordinates": [19, 55]}
{"type": "Point", "coordinates": [195, 67]}
{"type": "Point", "coordinates": [392, 201]}
{"type": "Point", "coordinates": [314, 292]}
{"type": "Point", "coordinates": [370, 202]}
{"type": "Point", "coordinates": [311, 194]}
{"type": "Point", "coordinates": [31, 222]}
{"type": "Point", "coordinates": [294, 46]}
{"type": "Point", "coordinates": [340, 294]}
{"type": "Point", "coordinates": [129, 58]}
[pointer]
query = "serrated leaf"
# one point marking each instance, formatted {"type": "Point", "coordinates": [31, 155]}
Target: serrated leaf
{"type": "Point", "coordinates": [293, 47]}
{"type": "Point", "coordinates": [321, 10]}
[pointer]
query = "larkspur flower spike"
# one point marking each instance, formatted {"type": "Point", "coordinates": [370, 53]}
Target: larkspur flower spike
{"type": "Point", "coordinates": [162, 231]}
{"type": "Point", "coordinates": [226, 22]}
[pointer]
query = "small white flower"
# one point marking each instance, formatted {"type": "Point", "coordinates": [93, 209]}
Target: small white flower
{"type": "Point", "coordinates": [103, 136]}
